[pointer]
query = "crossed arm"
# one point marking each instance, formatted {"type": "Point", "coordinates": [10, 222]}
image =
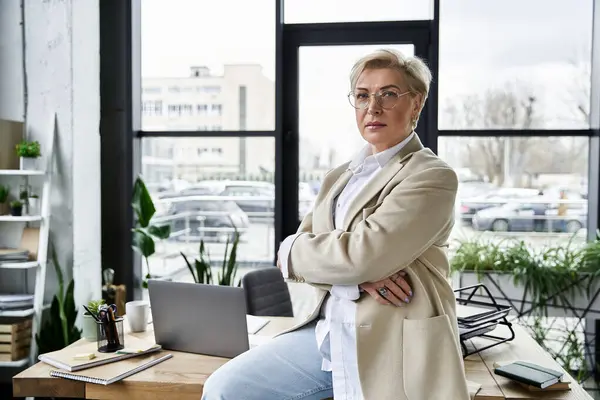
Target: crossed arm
{"type": "Point", "coordinates": [408, 221]}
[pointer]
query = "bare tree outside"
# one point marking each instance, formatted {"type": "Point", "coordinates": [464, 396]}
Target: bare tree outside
{"type": "Point", "coordinates": [516, 161]}
{"type": "Point", "coordinates": [511, 107]}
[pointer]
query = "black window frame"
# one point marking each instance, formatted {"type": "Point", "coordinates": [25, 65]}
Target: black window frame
{"type": "Point", "coordinates": [121, 133]}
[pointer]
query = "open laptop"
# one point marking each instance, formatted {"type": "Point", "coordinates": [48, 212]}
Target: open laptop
{"type": "Point", "coordinates": [198, 318]}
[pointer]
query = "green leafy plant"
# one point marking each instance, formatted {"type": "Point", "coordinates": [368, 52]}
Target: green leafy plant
{"type": "Point", "coordinates": [553, 271]}
{"type": "Point", "coordinates": [550, 276]}
{"type": "Point", "coordinates": [59, 330]}
{"type": "Point", "coordinates": [201, 269]}
{"type": "Point", "coordinates": [144, 232]}
{"type": "Point", "coordinates": [16, 204]}
{"type": "Point", "coordinates": [94, 305]}
{"type": "Point", "coordinates": [28, 149]}
{"type": "Point", "coordinates": [4, 192]}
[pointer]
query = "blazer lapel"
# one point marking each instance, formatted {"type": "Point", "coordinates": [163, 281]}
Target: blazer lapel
{"type": "Point", "coordinates": [335, 190]}
{"type": "Point", "coordinates": [380, 180]}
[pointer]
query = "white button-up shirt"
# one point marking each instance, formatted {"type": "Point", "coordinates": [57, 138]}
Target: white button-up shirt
{"type": "Point", "coordinates": [336, 329]}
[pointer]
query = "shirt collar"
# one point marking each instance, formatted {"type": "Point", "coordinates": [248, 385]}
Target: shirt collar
{"type": "Point", "coordinates": [365, 157]}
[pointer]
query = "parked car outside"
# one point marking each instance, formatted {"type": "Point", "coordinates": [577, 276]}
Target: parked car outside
{"type": "Point", "coordinates": [470, 206]}
{"type": "Point", "coordinates": [255, 198]}
{"type": "Point", "coordinates": [206, 219]}
{"type": "Point", "coordinates": [529, 217]}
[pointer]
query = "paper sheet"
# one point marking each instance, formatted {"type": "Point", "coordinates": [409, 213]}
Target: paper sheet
{"type": "Point", "coordinates": [255, 323]}
{"type": "Point", "coordinates": [257, 340]}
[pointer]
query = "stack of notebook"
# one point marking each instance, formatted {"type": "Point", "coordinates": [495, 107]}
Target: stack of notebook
{"type": "Point", "coordinates": [82, 362]}
{"type": "Point", "coordinates": [15, 301]}
{"type": "Point", "coordinates": [13, 255]}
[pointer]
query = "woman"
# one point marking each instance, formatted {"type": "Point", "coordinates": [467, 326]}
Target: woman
{"type": "Point", "coordinates": [385, 215]}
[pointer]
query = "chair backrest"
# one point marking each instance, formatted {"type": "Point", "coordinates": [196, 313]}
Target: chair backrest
{"type": "Point", "coordinates": [267, 294]}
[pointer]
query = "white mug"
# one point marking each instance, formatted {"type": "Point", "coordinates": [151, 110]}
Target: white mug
{"type": "Point", "coordinates": [137, 313]}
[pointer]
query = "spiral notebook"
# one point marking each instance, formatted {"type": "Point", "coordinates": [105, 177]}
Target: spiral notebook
{"type": "Point", "coordinates": [65, 358]}
{"type": "Point", "coordinates": [114, 372]}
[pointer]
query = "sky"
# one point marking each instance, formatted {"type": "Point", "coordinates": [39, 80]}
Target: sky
{"type": "Point", "coordinates": [483, 44]}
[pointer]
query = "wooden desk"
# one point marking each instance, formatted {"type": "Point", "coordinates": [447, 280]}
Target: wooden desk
{"type": "Point", "coordinates": [186, 374]}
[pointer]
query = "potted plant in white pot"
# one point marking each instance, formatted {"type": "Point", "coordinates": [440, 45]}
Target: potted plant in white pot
{"type": "Point", "coordinates": [28, 153]}
{"type": "Point", "coordinates": [89, 322]}
{"type": "Point", "coordinates": [33, 204]}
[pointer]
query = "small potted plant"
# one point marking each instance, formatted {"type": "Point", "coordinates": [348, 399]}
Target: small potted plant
{"type": "Point", "coordinates": [33, 204]}
{"type": "Point", "coordinates": [16, 208]}
{"type": "Point", "coordinates": [28, 152]}
{"type": "Point", "coordinates": [89, 323]}
{"type": "Point", "coordinates": [4, 199]}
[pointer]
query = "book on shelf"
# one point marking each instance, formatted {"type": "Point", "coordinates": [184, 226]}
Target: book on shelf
{"type": "Point", "coordinates": [107, 374]}
{"type": "Point", "coordinates": [15, 301]}
{"type": "Point", "coordinates": [70, 358]}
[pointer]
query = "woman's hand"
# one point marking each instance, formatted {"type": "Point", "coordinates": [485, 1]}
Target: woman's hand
{"type": "Point", "coordinates": [392, 290]}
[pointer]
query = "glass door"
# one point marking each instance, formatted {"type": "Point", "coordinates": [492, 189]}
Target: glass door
{"type": "Point", "coordinates": [319, 129]}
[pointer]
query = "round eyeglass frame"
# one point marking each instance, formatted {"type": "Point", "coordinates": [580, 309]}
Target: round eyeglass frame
{"type": "Point", "coordinates": [377, 97]}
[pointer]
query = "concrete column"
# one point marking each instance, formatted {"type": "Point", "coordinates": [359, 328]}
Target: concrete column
{"type": "Point", "coordinates": [62, 77]}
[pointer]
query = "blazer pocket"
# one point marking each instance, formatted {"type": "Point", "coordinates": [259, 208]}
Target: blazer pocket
{"type": "Point", "coordinates": [366, 212]}
{"type": "Point", "coordinates": [432, 366]}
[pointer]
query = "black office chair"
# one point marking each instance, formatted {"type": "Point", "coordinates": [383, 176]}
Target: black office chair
{"type": "Point", "coordinates": [267, 294]}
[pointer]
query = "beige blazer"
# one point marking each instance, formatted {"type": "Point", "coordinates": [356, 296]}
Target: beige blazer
{"type": "Point", "coordinates": [401, 220]}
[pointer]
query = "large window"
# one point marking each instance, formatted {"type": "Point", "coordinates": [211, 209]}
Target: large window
{"type": "Point", "coordinates": [206, 189]}
{"type": "Point", "coordinates": [528, 188]}
{"type": "Point", "coordinates": [510, 64]}
{"type": "Point", "coordinates": [196, 65]}
{"type": "Point", "coordinates": [208, 128]}
{"type": "Point", "coordinates": [240, 95]}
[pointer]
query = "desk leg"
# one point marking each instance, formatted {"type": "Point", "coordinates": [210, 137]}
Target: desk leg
{"type": "Point", "coordinates": [592, 345]}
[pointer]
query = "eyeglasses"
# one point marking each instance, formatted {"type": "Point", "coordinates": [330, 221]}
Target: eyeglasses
{"type": "Point", "coordinates": [387, 99]}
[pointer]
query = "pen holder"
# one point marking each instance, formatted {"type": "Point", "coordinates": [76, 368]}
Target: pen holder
{"type": "Point", "coordinates": [110, 335]}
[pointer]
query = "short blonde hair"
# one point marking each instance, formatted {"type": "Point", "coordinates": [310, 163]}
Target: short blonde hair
{"type": "Point", "coordinates": [417, 73]}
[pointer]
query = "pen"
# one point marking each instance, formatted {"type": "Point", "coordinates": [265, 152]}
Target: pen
{"type": "Point", "coordinates": [91, 313]}
{"type": "Point", "coordinates": [113, 327]}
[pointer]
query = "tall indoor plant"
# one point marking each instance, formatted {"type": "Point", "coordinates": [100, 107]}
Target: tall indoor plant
{"type": "Point", "coordinates": [144, 232]}
{"type": "Point", "coordinates": [201, 270]}
{"type": "Point", "coordinates": [59, 329]}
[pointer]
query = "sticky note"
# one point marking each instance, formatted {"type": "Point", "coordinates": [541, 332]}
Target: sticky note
{"type": "Point", "coordinates": [85, 356]}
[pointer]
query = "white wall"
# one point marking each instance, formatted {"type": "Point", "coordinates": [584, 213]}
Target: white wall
{"type": "Point", "coordinates": [62, 77]}
{"type": "Point", "coordinates": [11, 61]}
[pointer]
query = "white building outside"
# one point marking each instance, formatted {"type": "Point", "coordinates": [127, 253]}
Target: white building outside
{"type": "Point", "coordinates": [242, 98]}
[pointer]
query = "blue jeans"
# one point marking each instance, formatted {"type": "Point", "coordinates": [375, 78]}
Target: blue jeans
{"type": "Point", "coordinates": [286, 368]}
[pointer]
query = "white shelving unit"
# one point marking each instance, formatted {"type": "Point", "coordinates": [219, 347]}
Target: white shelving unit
{"type": "Point", "coordinates": [20, 172]}
{"type": "Point", "coordinates": [40, 264]}
{"type": "Point", "coordinates": [22, 218]}
{"type": "Point", "coordinates": [19, 265]}
{"type": "Point", "coordinates": [14, 364]}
